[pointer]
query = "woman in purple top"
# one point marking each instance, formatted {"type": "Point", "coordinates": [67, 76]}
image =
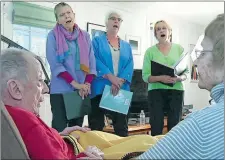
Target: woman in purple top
{"type": "Point", "coordinates": [72, 62]}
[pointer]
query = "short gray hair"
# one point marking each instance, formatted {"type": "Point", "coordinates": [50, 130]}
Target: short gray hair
{"type": "Point", "coordinates": [109, 14]}
{"type": "Point", "coordinates": [14, 63]}
{"type": "Point", "coordinates": [61, 4]}
{"type": "Point", "coordinates": [215, 31]}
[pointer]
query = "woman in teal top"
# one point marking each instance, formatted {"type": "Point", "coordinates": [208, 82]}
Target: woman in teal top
{"type": "Point", "coordinates": [162, 97]}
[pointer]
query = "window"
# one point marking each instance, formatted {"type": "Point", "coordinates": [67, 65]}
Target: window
{"type": "Point", "coordinates": [33, 39]}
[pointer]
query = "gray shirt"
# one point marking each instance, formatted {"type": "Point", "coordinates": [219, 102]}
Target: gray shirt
{"type": "Point", "coordinates": [115, 59]}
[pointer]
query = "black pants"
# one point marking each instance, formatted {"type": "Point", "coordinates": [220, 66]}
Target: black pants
{"type": "Point", "coordinates": [161, 100]}
{"type": "Point", "coordinates": [59, 119]}
{"type": "Point", "coordinates": [96, 118]}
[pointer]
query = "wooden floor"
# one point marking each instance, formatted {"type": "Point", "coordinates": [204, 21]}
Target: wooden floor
{"type": "Point", "coordinates": [137, 129]}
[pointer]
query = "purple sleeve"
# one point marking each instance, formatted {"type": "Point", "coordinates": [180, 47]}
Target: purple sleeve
{"type": "Point", "coordinates": [89, 78]}
{"type": "Point", "coordinates": [56, 68]}
{"type": "Point", "coordinates": [66, 76]}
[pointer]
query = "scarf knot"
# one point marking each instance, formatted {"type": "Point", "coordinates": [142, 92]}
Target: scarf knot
{"type": "Point", "coordinates": [63, 50]}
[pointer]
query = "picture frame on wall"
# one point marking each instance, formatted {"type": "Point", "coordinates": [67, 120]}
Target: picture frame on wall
{"type": "Point", "coordinates": [193, 70]}
{"type": "Point", "coordinates": [135, 43]}
{"type": "Point", "coordinates": [95, 29]}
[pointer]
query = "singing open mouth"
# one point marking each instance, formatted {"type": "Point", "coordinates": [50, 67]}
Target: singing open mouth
{"type": "Point", "coordinates": [68, 21]}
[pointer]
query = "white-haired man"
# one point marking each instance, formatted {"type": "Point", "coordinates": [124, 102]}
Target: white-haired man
{"type": "Point", "coordinates": [201, 134]}
{"type": "Point", "coordinates": [22, 90]}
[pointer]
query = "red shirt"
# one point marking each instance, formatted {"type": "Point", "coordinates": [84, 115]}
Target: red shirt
{"type": "Point", "coordinates": [68, 78]}
{"type": "Point", "coordinates": [42, 142]}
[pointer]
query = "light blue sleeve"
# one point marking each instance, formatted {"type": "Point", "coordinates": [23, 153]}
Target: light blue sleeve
{"type": "Point", "coordinates": [92, 61]}
{"type": "Point", "coordinates": [56, 67]}
{"type": "Point", "coordinates": [182, 142]}
{"type": "Point", "coordinates": [101, 68]}
{"type": "Point", "coordinates": [127, 73]}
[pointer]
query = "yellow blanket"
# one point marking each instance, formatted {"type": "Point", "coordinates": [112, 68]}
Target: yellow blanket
{"type": "Point", "coordinates": [113, 146]}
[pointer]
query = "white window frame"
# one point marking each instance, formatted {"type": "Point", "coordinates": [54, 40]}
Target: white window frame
{"type": "Point", "coordinates": [29, 31]}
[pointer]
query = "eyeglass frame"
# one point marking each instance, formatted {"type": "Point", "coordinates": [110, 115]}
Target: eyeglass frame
{"type": "Point", "coordinates": [202, 52]}
{"type": "Point", "coordinates": [114, 18]}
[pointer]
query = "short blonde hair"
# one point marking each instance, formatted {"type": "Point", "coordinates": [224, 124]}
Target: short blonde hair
{"type": "Point", "coordinates": [109, 14]}
{"type": "Point", "coordinates": [168, 27]}
{"type": "Point", "coordinates": [215, 31]}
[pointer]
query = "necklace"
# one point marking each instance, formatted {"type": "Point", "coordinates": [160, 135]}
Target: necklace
{"type": "Point", "coordinates": [115, 49]}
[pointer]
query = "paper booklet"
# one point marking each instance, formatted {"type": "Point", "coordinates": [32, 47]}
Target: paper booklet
{"type": "Point", "coordinates": [119, 103]}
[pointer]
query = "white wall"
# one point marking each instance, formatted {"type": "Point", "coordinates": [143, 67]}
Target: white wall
{"type": "Point", "coordinates": [134, 23]}
{"type": "Point", "coordinates": [137, 18]}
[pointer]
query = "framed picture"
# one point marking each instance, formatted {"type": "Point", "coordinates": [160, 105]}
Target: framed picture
{"type": "Point", "coordinates": [193, 70]}
{"type": "Point", "coordinates": [135, 43]}
{"type": "Point", "coordinates": [95, 29]}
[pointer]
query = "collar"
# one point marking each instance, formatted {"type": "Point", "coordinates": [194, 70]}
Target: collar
{"type": "Point", "coordinates": [217, 93]}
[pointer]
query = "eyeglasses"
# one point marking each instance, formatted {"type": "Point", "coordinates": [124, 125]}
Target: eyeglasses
{"type": "Point", "coordinates": [114, 19]}
{"type": "Point", "coordinates": [196, 53]}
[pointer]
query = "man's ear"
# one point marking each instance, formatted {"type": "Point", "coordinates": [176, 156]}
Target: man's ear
{"type": "Point", "coordinates": [15, 89]}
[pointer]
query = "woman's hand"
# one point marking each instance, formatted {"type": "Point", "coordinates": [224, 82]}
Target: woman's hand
{"type": "Point", "coordinates": [85, 93]}
{"type": "Point", "coordinates": [167, 79]}
{"type": "Point", "coordinates": [178, 79]}
{"type": "Point", "coordinates": [115, 80]}
{"type": "Point", "coordinates": [89, 89]}
{"type": "Point", "coordinates": [78, 86]}
{"type": "Point", "coordinates": [114, 90]}
{"type": "Point", "coordinates": [81, 93]}
{"type": "Point", "coordinates": [122, 81]}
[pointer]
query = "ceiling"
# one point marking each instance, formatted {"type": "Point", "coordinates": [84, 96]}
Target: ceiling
{"type": "Point", "coordinates": [197, 12]}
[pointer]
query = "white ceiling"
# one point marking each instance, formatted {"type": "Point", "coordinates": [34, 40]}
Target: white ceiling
{"type": "Point", "coordinates": [197, 12]}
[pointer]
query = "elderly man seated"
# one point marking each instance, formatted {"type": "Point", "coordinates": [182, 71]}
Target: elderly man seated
{"type": "Point", "coordinates": [22, 89]}
{"type": "Point", "coordinates": [201, 134]}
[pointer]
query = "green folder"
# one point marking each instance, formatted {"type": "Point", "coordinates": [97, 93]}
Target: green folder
{"type": "Point", "coordinates": [76, 106]}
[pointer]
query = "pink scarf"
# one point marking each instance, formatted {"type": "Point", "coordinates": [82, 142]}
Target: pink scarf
{"type": "Point", "coordinates": [82, 46]}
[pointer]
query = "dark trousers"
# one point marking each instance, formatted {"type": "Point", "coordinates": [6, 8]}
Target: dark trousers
{"type": "Point", "coordinates": [96, 118]}
{"type": "Point", "coordinates": [59, 119]}
{"type": "Point", "coordinates": [161, 100]}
